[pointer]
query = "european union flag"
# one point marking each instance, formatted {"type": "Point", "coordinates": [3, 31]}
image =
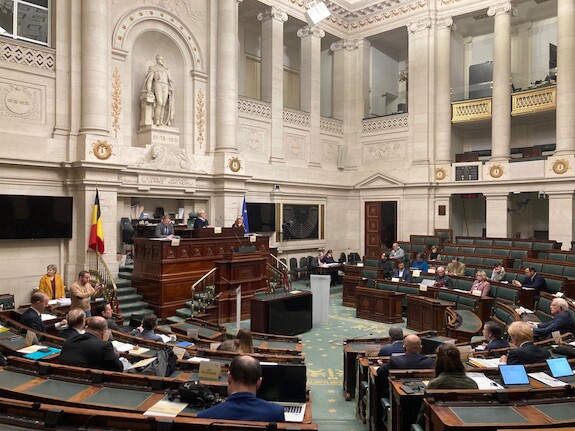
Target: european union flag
{"type": "Point", "coordinates": [245, 216]}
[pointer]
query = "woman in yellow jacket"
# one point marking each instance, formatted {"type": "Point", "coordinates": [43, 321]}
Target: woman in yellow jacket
{"type": "Point", "coordinates": [51, 283]}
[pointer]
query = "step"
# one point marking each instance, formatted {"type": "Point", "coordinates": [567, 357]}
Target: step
{"type": "Point", "coordinates": [129, 299]}
{"type": "Point", "coordinates": [139, 313]}
{"type": "Point", "coordinates": [125, 275]}
{"type": "Point", "coordinates": [133, 306]}
{"type": "Point", "coordinates": [123, 291]}
{"type": "Point", "coordinates": [184, 312]}
{"type": "Point", "coordinates": [120, 282]}
{"type": "Point", "coordinates": [127, 268]}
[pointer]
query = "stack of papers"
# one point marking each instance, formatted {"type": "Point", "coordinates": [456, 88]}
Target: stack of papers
{"type": "Point", "coordinates": [48, 317]}
{"type": "Point", "coordinates": [483, 382]}
{"type": "Point", "coordinates": [484, 363]}
{"type": "Point", "coordinates": [165, 407]}
{"type": "Point", "coordinates": [546, 379]}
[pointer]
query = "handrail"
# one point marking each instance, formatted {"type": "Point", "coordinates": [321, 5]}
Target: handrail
{"type": "Point", "coordinates": [280, 277]}
{"type": "Point", "coordinates": [98, 268]}
{"type": "Point", "coordinates": [206, 275]}
{"type": "Point", "coordinates": [279, 261]}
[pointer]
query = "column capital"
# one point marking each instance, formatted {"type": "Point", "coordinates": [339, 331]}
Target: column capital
{"type": "Point", "coordinates": [501, 8]}
{"type": "Point", "coordinates": [443, 23]}
{"type": "Point", "coordinates": [349, 44]}
{"type": "Point", "coordinates": [422, 24]}
{"type": "Point", "coordinates": [311, 31]}
{"type": "Point", "coordinates": [273, 12]}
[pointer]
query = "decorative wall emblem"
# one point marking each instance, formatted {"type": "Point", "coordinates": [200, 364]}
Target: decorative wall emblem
{"type": "Point", "coordinates": [20, 101]}
{"type": "Point", "coordinates": [235, 164]}
{"type": "Point", "coordinates": [387, 151]}
{"type": "Point", "coordinates": [200, 112]}
{"type": "Point", "coordinates": [102, 150]}
{"type": "Point", "coordinates": [560, 166]}
{"type": "Point", "coordinates": [440, 174]}
{"type": "Point", "coordinates": [496, 171]}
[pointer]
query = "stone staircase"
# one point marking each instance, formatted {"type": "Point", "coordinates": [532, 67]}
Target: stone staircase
{"type": "Point", "coordinates": [186, 312]}
{"type": "Point", "coordinates": [131, 303]}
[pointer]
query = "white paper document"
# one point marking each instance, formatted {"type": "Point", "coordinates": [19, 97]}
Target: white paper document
{"type": "Point", "coordinates": [546, 379]}
{"type": "Point", "coordinates": [483, 382]}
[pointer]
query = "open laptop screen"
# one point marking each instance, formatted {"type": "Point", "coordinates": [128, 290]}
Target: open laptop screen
{"type": "Point", "coordinates": [283, 382]}
{"type": "Point", "coordinates": [560, 367]}
{"type": "Point", "coordinates": [514, 374]}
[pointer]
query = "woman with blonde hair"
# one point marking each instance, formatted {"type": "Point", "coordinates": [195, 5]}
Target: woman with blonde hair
{"type": "Point", "coordinates": [52, 284]}
{"type": "Point", "coordinates": [480, 286]}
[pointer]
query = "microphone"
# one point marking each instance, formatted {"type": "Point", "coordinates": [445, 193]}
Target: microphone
{"type": "Point", "coordinates": [362, 336]}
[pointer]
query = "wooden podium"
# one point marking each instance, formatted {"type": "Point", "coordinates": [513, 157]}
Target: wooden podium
{"type": "Point", "coordinates": [164, 273]}
{"type": "Point", "coordinates": [378, 304]}
{"type": "Point", "coordinates": [426, 314]}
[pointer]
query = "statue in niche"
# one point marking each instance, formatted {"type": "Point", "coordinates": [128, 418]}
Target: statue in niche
{"type": "Point", "coordinates": [166, 157]}
{"type": "Point", "coordinates": [157, 96]}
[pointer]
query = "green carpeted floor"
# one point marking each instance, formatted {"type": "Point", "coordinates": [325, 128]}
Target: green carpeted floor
{"type": "Point", "coordinates": [323, 350]}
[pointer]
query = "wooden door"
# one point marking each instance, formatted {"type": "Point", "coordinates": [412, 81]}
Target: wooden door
{"type": "Point", "coordinates": [372, 229]}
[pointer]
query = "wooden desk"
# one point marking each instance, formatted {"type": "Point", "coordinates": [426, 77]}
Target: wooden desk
{"type": "Point", "coordinates": [164, 274]}
{"type": "Point", "coordinates": [379, 305]}
{"type": "Point", "coordinates": [352, 348]}
{"type": "Point", "coordinates": [426, 314]}
{"type": "Point", "coordinates": [351, 278]}
{"type": "Point", "coordinates": [282, 313]}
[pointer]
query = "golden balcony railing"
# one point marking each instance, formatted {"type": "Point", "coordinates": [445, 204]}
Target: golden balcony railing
{"type": "Point", "coordinates": [471, 110]}
{"type": "Point", "coordinates": [533, 101]}
{"type": "Point", "coordinates": [100, 274]}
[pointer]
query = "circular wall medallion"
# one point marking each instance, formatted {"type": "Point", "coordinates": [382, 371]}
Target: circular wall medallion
{"type": "Point", "coordinates": [102, 150]}
{"type": "Point", "coordinates": [496, 171]}
{"type": "Point", "coordinates": [235, 164]}
{"type": "Point", "coordinates": [560, 166]}
{"type": "Point", "coordinates": [440, 174]}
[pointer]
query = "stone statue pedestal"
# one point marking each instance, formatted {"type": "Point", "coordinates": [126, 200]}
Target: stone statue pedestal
{"type": "Point", "coordinates": [148, 135]}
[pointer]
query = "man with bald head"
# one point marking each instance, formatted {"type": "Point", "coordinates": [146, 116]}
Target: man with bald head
{"type": "Point", "coordinates": [244, 378]}
{"type": "Point", "coordinates": [89, 350]}
{"type": "Point", "coordinates": [411, 360]}
{"type": "Point", "coordinates": [76, 324]}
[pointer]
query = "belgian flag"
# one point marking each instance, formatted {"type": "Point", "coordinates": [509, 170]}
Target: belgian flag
{"type": "Point", "coordinates": [96, 242]}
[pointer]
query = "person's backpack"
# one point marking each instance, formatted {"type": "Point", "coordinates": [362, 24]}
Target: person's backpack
{"type": "Point", "coordinates": [194, 393]}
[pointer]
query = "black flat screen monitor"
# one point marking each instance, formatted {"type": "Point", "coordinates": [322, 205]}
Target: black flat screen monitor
{"type": "Point", "coordinates": [35, 217]}
{"type": "Point", "coordinates": [261, 217]}
{"type": "Point", "coordinates": [283, 382]}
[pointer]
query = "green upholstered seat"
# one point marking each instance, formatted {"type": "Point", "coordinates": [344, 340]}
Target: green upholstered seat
{"type": "Point", "coordinates": [467, 250]}
{"type": "Point", "coordinates": [517, 263]}
{"type": "Point", "coordinates": [465, 241]}
{"type": "Point", "coordinates": [370, 274]}
{"type": "Point", "coordinates": [472, 260]}
{"type": "Point", "coordinates": [410, 290]}
{"type": "Point", "coordinates": [466, 303]}
{"type": "Point", "coordinates": [536, 265]}
{"type": "Point", "coordinates": [370, 262]}
{"type": "Point", "coordinates": [510, 276]}
{"type": "Point", "coordinates": [554, 286]}
{"type": "Point", "coordinates": [557, 257]}
{"type": "Point", "coordinates": [518, 254]}
{"type": "Point", "coordinates": [523, 244]}
{"type": "Point", "coordinates": [469, 271]}
{"type": "Point", "coordinates": [481, 241]}
{"type": "Point", "coordinates": [500, 252]}
{"type": "Point", "coordinates": [542, 310]}
{"type": "Point", "coordinates": [420, 248]}
{"type": "Point", "coordinates": [450, 249]}
{"type": "Point", "coordinates": [570, 257]}
{"type": "Point", "coordinates": [386, 286]}
{"type": "Point", "coordinates": [463, 284]}
{"type": "Point", "coordinates": [507, 294]}
{"type": "Point", "coordinates": [569, 271]}
{"type": "Point", "coordinates": [551, 268]}
{"type": "Point", "coordinates": [502, 243]}
{"type": "Point", "coordinates": [447, 296]}
{"type": "Point", "coordinates": [503, 315]}
{"type": "Point", "coordinates": [491, 261]}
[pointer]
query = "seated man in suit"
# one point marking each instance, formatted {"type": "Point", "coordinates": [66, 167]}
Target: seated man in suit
{"type": "Point", "coordinates": [492, 333]}
{"type": "Point", "coordinates": [328, 258]}
{"type": "Point", "coordinates": [532, 280]}
{"type": "Point", "coordinates": [456, 267]}
{"type": "Point", "coordinates": [201, 221]}
{"type": "Point", "coordinates": [526, 353]}
{"type": "Point", "coordinates": [165, 229]}
{"type": "Point", "coordinates": [562, 320]}
{"type": "Point", "coordinates": [244, 378]}
{"type": "Point", "coordinates": [396, 342]}
{"type": "Point", "coordinates": [104, 309]}
{"type": "Point", "coordinates": [76, 324]}
{"type": "Point", "coordinates": [402, 273]}
{"type": "Point", "coordinates": [32, 316]}
{"type": "Point", "coordinates": [412, 360]}
{"type": "Point", "coordinates": [442, 279]}
{"type": "Point", "coordinates": [89, 350]}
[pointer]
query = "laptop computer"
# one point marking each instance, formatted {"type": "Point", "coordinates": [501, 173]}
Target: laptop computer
{"type": "Point", "coordinates": [514, 376]}
{"type": "Point", "coordinates": [285, 384]}
{"type": "Point", "coordinates": [561, 369]}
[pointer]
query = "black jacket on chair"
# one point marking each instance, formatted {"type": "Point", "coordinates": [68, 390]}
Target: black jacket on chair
{"type": "Point", "coordinates": [88, 351]}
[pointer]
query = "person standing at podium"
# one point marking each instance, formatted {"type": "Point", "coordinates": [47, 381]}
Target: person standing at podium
{"type": "Point", "coordinates": [201, 220]}
{"type": "Point", "coordinates": [82, 292]}
{"type": "Point", "coordinates": [165, 229]}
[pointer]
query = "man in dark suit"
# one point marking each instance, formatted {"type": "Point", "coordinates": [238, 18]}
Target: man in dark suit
{"type": "Point", "coordinates": [201, 220]}
{"type": "Point", "coordinates": [244, 378]}
{"type": "Point", "coordinates": [396, 342]}
{"type": "Point", "coordinates": [386, 266]}
{"type": "Point", "coordinates": [76, 324]}
{"type": "Point", "coordinates": [402, 273]}
{"type": "Point", "coordinates": [493, 336]}
{"type": "Point", "coordinates": [532, 280]}
{"type": "Point", "coordinates": [33, 316]}
{"type": "Point", "coordinates": [526, 353]}
{"type": "Point", "coordinates": [104, 309]}
{"type": "Point", "coordinates": [90, 350]}
{"type": "Point", "coordinates": [165, 229]}
{"type": "Point", "coordinates": [562, 320]}
{"type": "Point", "coordinates": [412, 360]}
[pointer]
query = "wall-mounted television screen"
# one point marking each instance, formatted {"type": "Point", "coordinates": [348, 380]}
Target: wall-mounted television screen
{"type": "Point", "coordinates": [261, 217]}
{"type": "Point", "coordinates": [35, 217]}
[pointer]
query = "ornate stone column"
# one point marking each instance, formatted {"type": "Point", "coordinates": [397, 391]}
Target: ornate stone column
{"type": "Point", "coordinates": [272, 74]}
{"type": "Point", "coordinates": [421, 90]}
{"type": "Point", "coordinates": [501, 105]}
{"type": "Point", "coordinates": [95, 76]}
{"type": "Point", "coordinates": [310, 81]}
{"type": "Point", "coordinates": [227, 76]}
{"type": "Point", "coordinates": [444, 27]}
{"type": "Point", "coordinates": [561, 210]}
{"type": "Point", "coordinates": [496, 216]}
{"type": "Point", "coordinates": [350, 99]}
{"type": "Point", "coordinates": [565, 78]}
